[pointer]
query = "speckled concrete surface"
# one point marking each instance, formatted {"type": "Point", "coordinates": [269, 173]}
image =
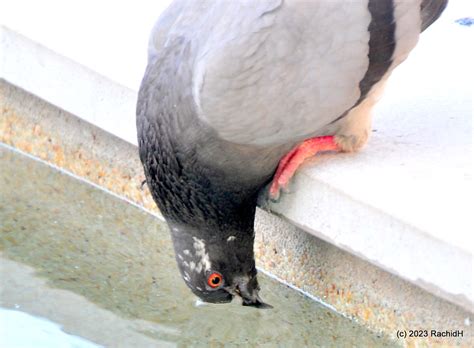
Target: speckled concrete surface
{"type": "Point", "coordinates": [57, 137]}
{"type": "Point", "coordinates": [353, 287]}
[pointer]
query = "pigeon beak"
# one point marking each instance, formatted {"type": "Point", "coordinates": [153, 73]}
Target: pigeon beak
{"type": "Point", "coordinates": [257, 303]}
{"type": "Point", "coordinates": [249, 294]}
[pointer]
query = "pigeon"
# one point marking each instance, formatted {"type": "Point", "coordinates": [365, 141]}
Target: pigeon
{"type": "Point", "coordinates": [237, 94]}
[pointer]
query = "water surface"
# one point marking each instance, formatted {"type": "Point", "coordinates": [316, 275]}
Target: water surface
{"type": "Point", "coordinates": [119, 257]}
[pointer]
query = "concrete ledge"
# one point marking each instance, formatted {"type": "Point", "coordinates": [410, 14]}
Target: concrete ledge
{"type": "Point", "coordinates": [401, 204]}
{"type": "Point", "coordinates": [405, 202]}
{"type": "Point", "coordinates": [67, 84]}
{"type": "Point", "coordinates": [380, 300]}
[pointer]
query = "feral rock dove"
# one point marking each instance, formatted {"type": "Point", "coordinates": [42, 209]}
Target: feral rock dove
{"type": "Point", "coordinates": [239, 92]}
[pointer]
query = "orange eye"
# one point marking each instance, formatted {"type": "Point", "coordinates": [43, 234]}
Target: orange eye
{"type": "Point", "coordinates": [214, 280]}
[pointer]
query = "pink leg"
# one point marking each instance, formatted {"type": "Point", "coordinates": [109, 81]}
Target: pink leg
{"type": "Point", "coordinates": [291, 161]}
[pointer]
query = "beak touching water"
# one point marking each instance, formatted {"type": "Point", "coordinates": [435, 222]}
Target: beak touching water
{"type": "Point", "coordinates": [248, 290]}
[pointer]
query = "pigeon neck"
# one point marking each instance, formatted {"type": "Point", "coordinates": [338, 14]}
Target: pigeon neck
{"type": "Point", "coordinates": [187, 192]}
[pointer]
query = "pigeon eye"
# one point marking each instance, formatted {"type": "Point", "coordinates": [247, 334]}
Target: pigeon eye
{"type": "Point", "coordinates": [214, 280]}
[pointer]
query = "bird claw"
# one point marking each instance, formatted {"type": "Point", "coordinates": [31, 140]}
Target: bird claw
{"type": "Point", "coordinates": [292, 161]}
{"type": "Point", "coordinates": [275, 191]}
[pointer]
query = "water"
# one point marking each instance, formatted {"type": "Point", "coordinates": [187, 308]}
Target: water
{"type": "Point", "coordinates": [24, 330]}
{"type": "Point", "coordinates": [119, 259]}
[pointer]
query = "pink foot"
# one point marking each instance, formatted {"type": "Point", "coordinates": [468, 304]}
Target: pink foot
{"type": "Point", "coordinates": [291, 161]}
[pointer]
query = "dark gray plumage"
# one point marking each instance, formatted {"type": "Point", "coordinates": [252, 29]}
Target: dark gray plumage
{"type": "Point", "coordinates": [231, 87]}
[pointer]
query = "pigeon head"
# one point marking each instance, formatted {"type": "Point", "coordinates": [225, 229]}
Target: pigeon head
{"type": "Point", "coordinates": [217, 266]}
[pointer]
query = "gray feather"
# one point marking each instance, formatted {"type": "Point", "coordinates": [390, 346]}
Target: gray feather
{"type": "Point", "coordinates": [430, 11]}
